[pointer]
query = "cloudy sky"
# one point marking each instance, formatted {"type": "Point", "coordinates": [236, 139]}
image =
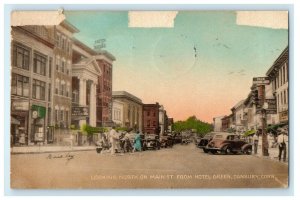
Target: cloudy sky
{"type": "Point", "coordinates": [202, 66]}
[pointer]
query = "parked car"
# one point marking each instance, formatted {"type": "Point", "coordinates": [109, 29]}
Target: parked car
{"type": "Point", "coordinates": [151, 141]}
{"type": "Point", "coordinates": [166, 141]}
{"type": "Point", "coordinates": [228, 143]}
{"type": "Point", "coordinates": [177, 138]}
{"type": "Point", "coordinates": [186, 137]}
{"type": "Point", "coordinates": [205, 140]}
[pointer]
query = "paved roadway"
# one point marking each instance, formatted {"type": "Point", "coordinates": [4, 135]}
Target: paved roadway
{"type": "Point", "coordinates": [183, 166]}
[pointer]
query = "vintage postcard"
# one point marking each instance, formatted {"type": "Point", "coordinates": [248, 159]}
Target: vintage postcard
{"type": "Point", "coordinates": [149, 99]}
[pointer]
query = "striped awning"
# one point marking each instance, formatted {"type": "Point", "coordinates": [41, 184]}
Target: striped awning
{"type": "Point", "coordinates": [14, 121]}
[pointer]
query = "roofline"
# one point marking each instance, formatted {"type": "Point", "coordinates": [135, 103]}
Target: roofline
{"type": "Point", "coordinates": [124, 94]}
{"type": "Point", "coordinates": [285, 51]}
{"type": "Point", "coordinates": [92, 51]}
{"type": "Point", "coordinates": [69, 26]}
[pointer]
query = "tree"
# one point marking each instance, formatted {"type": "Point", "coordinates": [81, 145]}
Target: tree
{"type": "Point", "coordinates": [192, 122]}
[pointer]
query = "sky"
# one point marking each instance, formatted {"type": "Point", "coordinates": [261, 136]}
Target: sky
{"type": "Point", "coordinates": [202, 66]}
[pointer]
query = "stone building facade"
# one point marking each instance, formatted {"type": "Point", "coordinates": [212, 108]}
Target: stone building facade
{"type": "Point", "coordinates": [132, 110]}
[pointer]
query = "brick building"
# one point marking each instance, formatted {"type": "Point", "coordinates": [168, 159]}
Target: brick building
{"type": "Point", "coordinates": [151, 118]}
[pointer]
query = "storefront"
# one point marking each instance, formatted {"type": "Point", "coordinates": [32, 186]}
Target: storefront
{"type": "Point", "coordinates": [19, 122]}
{"type": "Point", "coordinates": [38, 123]}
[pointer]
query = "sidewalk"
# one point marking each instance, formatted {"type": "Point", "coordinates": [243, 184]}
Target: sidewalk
{"type": "Point", "coordinates": [49, 149]}
{"type": "Point", "coordinates": [273, 154]}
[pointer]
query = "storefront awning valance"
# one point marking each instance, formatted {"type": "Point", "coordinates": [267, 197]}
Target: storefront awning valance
{"type": "Point", "coordinates": [250, 132]}
{"type": "Point", "coordinates": [14, 121]}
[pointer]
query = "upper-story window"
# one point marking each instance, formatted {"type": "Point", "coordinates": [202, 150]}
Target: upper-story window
{"type": "Point", "coordinates": [38, 89]}
{"type": "Point", "coordinates": [50, 67]}
{"type": "Point", "coordinates": [63, 66]}
{"type": "Point", "coordinates": [57, 63]}
{"type": "Point", "coordinates": [21, 56]}
{"type": "Point", "coordinates": [20, 85]}
{"type": "Point", "coordinates": [39, 64]}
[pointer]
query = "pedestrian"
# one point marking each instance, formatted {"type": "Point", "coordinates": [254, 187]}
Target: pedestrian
{"type": "Point", "coordinates": [113, 140]}
{"type": "Point", "coordinates": [282, 140]}
{"type": "Point", "coordinates": [137, 142]}
{"type": "Point", "coordinates": [255, 142]}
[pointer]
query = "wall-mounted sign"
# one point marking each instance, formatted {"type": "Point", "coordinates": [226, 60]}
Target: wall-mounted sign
{"type": "Point", "coordinates": [284, 116]}
{"type": "Point", "coordinates": [271, 104]}
{"type": "Point", "coordinates": [20, 105]}
{"type": "Point", "coordinates": [80, 111]}
{"type": "Point", "coordinates": [38, 111]}
{"type": "Point", "coordinates": [261, 80]}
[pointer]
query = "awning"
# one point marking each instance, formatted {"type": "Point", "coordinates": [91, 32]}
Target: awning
{"type": "Point", "coordinates": [273, 128]}
{"type": "Point", "coordinates": [250, 132]}
{"type": "Point", "coordinates": [14, 121]}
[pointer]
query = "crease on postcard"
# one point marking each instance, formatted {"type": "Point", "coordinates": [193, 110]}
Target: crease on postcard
{"type": "Point", "coordinates": [151, 19]}
{"type": "Point", "coordinates": [267, 19]}
{"type": "Point", "coordinates": [22, 18]}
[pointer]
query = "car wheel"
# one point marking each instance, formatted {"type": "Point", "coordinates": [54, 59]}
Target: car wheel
{"type": "Point", "coordinates": [205, 150]}
{"type": "Point", "coordinates": [213, 151]}
{"type": "Point", "coordinates": [227, 150]}
{"type": "Point", "coordinates": [248, 151]}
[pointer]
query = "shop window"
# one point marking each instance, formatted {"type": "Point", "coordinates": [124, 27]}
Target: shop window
{"type": "Point", "coordinates": [38, 89]}
{"type": "Point", "coordinates": [20, 85]}
{"type": "Point", "coordinates": [21, 56]}
{"type": "Point", "coordinates": [39, 64]}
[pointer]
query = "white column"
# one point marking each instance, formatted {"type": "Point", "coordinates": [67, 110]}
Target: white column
{"type": "Point", "coordinates": [82, 96]}
{"type": "Point", "coordinates": [93, 104]}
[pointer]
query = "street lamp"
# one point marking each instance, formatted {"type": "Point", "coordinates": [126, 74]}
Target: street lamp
{"type": "Point", "coordinates": [264, 133]}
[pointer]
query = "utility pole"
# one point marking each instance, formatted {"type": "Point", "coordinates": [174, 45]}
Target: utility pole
{"type": "Point", "coordinates": [261, 94]}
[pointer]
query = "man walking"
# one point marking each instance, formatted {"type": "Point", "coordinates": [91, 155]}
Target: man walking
{"type": "Point", "coordinates": [113, 140]}
{"type": "Point", "coordinates": [255, 142]}
{"type": "Point", "coordinates": [282, 140]}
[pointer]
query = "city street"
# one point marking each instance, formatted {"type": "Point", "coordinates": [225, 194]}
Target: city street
{"type": "Point", "coordinates": [183, 166]}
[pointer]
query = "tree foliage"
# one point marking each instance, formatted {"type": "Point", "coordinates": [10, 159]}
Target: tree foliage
{"type": "Point", "coordinates": [89, 130]}
{"type": "Point", "coordinates": [192, 123]}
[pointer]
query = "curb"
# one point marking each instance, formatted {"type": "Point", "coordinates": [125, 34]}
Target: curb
{"type": "Point", "coordinates": [47, 151]}
{"type": "Point", "coordinates": [272, 159]}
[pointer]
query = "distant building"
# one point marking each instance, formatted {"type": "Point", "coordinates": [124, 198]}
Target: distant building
{"type": "Point", "coordinates": [118, 113]}
{"type": "Point", "coordinates": [170, 124]}
{"type": "Point", "coordinates": [225, 123]}
{"type": "Point", "coordinates": [279, 77]}
{"type": "Point", "coordinates": [239, 123]}
{"type": "Point", "coordinates": [132, 109]}
{"type": "Point", "coordinates": [217, 122]}
{"type": "Point", "coordinates": [151, 118]}
{"type": "Point", "coordinates": [163, 119]}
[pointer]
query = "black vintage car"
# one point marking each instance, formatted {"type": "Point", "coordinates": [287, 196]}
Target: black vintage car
{"type": "Point", "coordinates": [205, 140]}
{"type": "Point", "coordinates": [151, 141]}
{"type": "Point", "coordinates": [228, 143]}
{"type": "Point", "coordinates": [166, 141]}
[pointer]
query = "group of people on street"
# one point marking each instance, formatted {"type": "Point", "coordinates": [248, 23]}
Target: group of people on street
{"type": "Point", "coordinates": [281, 141]}
{"type": "Point", "coordinates": [114, 139]}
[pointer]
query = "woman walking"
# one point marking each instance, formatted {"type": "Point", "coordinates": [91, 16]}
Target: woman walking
{"type": "Point", "coordinates": [137, 142]}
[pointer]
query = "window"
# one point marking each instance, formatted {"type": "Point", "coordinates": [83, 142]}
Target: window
{"type": "Point", "coordinates": [62, 88]}
{"type": "Point", "coordinates": [49, 92]}
{"type": "Point", "coordinates": [153, 114]}
{"type": "Point", "coordinates": [154, 123]}
{"type": "Point", "coordinates": [68, 90]}
{"type": "Point", "coordinates": [284, 97]}
{"type": "Point", "coordinates": [57, 63]}
{"type": "Point", "coordinates": [57, 37]}
{"type": "Point", "coordinates": [38, 89]}
{"type": "Point", "coordinates": [148, 113]}
{"type": "Point", "coordinates": [281, 99]}
{"type": "Point", "coordinates": [148, 123]}
{"type": "Point", "coordinates": [49, 116]}
{"type": "Point", "coordinates": [62, 66]}
{"type": "Point", "coordinates": [56, 116]}
{"type": "Point", "coordinates": [39, 64]}
{"type": "Point", "coordinates": [56, 86]}
{"type": "Point", "coordinates": [67, 116]}
{"type": "Point", "coordinates": [20, 85]}
{"type": "Point", "coordinates": [62, 115]}
{"type": "Point", "coordinates": [21, 57]}
{"type": "Point", "coordinates": [50, 67]}
{"type": "Point", "coordinates": [75, 98]}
